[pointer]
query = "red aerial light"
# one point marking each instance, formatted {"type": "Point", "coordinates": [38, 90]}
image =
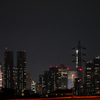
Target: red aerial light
{"type": "Point", "coordinates": [55, 87]}
{"type": "Point", "coordinates": [50, 66]}
{"type": "Point", "coordinates": [60, 67]}
{"type": "Point", "coordinates": [56, 66]}
{"type": "Point", "coordinates": [80, 69]}
{"type": "Point", "coordinates": [80, 79]}
{"type": "Point", "coordinates": [6, 48]}
{"type": "Point", "coordinates": [24, 51]}
{"type": "Point", "coordinates": [67, 68]}
{"type": "Point", "coordinates": [4, 62]}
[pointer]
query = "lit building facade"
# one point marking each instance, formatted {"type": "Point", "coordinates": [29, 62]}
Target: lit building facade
{"type": "Point", "coordinates": [8, 70]}
{"type": "Point", "coordinates": [96, 74]}
{"type": "Point", "coordinates": [28, 81]}
{"type": "Point", "coordinates": [70, 78]}
{"type": "Point", "coordinates": [55, 78]}
{"type": "Point", "coordinates": [76, 89]}
{"type": "Point", "coordinates": [33, 86]}
{"type": "Point", "coordinates": [47, 81]}
{"type": "Point", "coordinates": [62, 78]}
{"type": "Point", "coordinates": [15, 74]}
{"type": "Point", "coordinates": [1, 77]}
{"type": "Point", "coordinates": [42, 86]}
{"type": "Point", "coordinates": [21, 65]}
{"type": "Point", "coordinates": [88, 80]}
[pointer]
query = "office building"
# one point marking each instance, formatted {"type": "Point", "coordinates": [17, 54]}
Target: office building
{"type": "Point", "coordinates": [21, 65]}
{"type": "Point", "coordinates": [76, 89]}
{"type": "Point", "coordinates": [88, 80]}
{"type": "Point", "coordinates": [96, 74]}
{"type": "Point", "coordinates": [70, 77]}
{"type": "Point", "coordinates": [15, 75]}
{"type": "Point", "coordinates": [42, 86]}
{"type": "Point", "coordinates": [1, 77]}
{"type": "Point", "coordinates": [28, 81]}
{"type": "Point", "coordinates": [47, 81]}
{"type": "Point", "coordinates": [33, 86]}
{"type": "Point", "coordinates": [55, 78]}
{"type": "Point", "coordinates": [8, 69]}
{"type": "Point", "coordinates": [62, 77]}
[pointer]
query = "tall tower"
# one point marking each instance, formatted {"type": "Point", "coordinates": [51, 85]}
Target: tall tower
{"type": "Point", "coordinates": [78, 59]}
{"type": "Point", "coordinates": [21, 66]}
{"type": "Point", "coordinates": [8, 69]}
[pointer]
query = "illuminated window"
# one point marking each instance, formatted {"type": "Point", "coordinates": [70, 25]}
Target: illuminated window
{"type": "Point", "coordinates": [96, 64]}
{"type": "Point", "coordinates": [96, 73]}
{"type": "Point", "coordinates": [89, 72]}
{"type": "Point", "coordinates": [88, 68]}
{"type": "Point", "coordinates": [97, 68]}
{"type": "Point", "coordinates": [24, 73]}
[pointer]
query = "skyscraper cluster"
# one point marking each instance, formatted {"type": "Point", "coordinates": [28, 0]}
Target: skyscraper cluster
{"type": "Point", "coordinates": [92, 76]}
{"type": "Point", "coordinates": [15, 76]}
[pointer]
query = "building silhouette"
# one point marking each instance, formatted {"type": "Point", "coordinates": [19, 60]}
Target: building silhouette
{"type": "Point", "coordinates": [15, 76]}
{"type": "Point", "coordinates": [21, 65]}
{"type": "Point", "coordinates": [55, 78]}
{"type": "Point", "coordinates": [28, 81]}
{"type": "Point", "coordinates": [96, 74]}
{"type": "Point", "coordinates": [88, 78]}
{"type": "Point", "coordinates": [1, 77]}
{"type": "Point", "coordinates": [8, 70]}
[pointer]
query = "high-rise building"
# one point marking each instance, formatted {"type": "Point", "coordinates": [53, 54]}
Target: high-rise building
{"type": "Point", "coordinates": [88, 80]}
{"type": "Point", "coordinates": [96, 74]}
{"type": "Point", "coordinates": [47, 81]}
{"type": "Point", "coordinates": [76, 89]}
{"type": "Point", "coordinates": [42, 86]}
{"type": "Point", "coordinates": [1, 77]}
{"type": "Point", "coordinates": [71, 78]}
{"type": "Point", "coordinates": [8, 70]}
{"type": "Point", "coordinates": [33, 86]}
{"type": "Point", "coordinates": [21, 65]}
{"type": "Point", "coordinates": [62, 82]}
{"type": "Point", "coordinates": [15, 75]}
{"type": "Point", "coordinates": [53, 78]}
{"type": "Point", "coordinates": [28, 81]}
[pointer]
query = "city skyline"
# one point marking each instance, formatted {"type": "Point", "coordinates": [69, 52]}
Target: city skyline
{"type": "Point", "coordinates": [48, 30]}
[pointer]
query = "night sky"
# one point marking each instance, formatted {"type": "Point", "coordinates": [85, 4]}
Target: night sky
{"type": "Point", "coordinates": [48, 30]}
